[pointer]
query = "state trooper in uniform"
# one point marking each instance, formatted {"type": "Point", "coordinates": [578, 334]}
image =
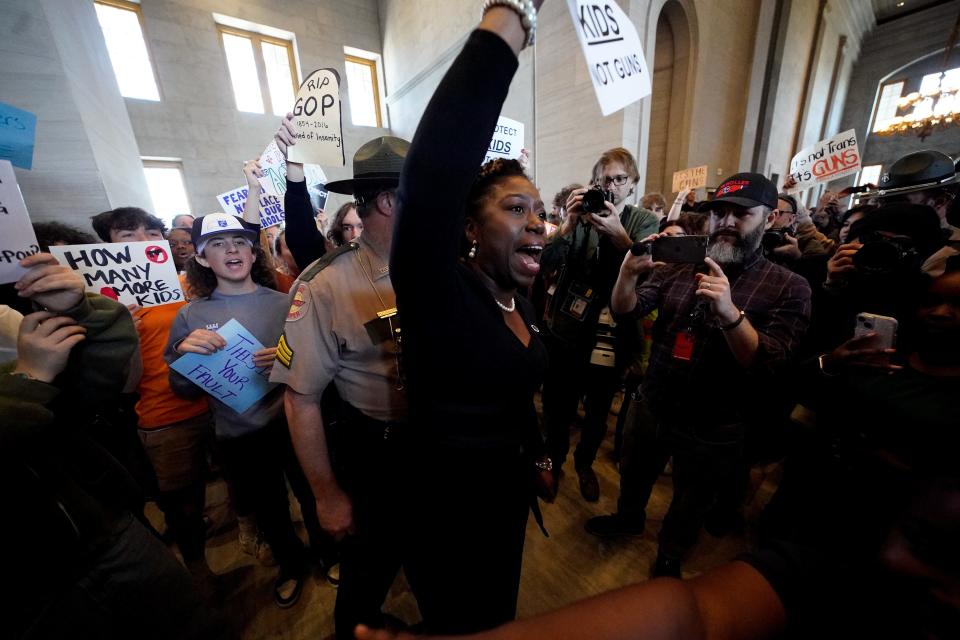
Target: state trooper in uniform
{"type": "Point", "coordinates": [342, 328]}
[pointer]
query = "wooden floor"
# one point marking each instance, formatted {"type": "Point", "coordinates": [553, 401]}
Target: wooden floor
{"type": "Point", "coordinates": [566, 567]}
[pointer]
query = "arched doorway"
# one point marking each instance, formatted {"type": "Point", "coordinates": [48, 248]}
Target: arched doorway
{"type": "Point", "coordinates": [667, 148]}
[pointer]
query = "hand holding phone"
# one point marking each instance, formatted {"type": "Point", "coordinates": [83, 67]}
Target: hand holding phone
{"type": "Point", "coordinates": [680, 249]}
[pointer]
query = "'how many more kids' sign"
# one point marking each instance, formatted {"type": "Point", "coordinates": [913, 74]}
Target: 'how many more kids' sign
{"type": "Point", "coordinates": [139, 273]}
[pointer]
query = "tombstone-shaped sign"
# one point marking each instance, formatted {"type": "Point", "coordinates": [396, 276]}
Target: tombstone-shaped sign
{"type": "Point", "coordinates": [316, 113]}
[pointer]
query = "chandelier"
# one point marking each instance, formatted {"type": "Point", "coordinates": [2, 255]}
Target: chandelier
{"type": "Point", "coordinates": [934, 107]}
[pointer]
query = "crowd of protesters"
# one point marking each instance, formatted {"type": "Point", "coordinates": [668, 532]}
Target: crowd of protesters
{"type": "Point", "coordinates": [407, 336]}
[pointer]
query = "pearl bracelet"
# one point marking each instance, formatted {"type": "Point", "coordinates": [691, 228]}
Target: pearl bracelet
{"type": "Point", "coordinates": [524, 9]}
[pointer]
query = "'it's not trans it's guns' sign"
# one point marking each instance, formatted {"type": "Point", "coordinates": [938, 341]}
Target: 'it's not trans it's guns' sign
{"type": "Point", "coordinates": [827, 160]}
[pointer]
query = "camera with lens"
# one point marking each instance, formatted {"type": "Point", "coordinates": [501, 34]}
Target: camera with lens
{"type": "Point", "coordinates": [881, 255]}
{"type": "Point", "coordinates": [773, 238]}
{"type": "Point", "coordinates": [595, 199]}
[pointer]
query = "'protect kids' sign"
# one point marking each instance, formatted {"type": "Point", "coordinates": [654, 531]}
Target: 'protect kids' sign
{"type": "Point", "coordinates": [17, 240]}
{"type": "Point", "coordinates": [507, 141]}
{"type": "Point", "coordinates": [229, 375]}
{"type": "Point", "coordinates": [140, 273]}
{"type": "Point", "coordinates": [613, 53]}
{"type": "Point", "coordinates": [828, 160]}
{"type": "Point", "coordinates": [317, 116]}
{"type": "Point", "coordinates": [271, 206]}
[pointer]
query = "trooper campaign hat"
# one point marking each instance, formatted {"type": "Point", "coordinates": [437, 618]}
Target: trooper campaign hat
{"type": "Point", "coordinates": [919, 171]}
{"type": "Point", "coordinates": [376, 164]}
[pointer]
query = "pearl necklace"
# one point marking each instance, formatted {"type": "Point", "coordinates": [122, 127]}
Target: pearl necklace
{"type": "Point", "coordinates": [508, 308]}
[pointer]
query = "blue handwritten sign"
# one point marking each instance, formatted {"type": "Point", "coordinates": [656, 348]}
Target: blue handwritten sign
{"type": "Point", "coordinates": [229, 375]}
{"type": "Point", "coordinates": [18, 129]}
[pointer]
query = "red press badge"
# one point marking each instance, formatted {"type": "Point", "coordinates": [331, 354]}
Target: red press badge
{"type": "Point", "coordinates": [683, 346]}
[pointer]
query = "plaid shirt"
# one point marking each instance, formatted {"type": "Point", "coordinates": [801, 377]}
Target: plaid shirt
{"type": "Point", "coordinates": [775, 301]}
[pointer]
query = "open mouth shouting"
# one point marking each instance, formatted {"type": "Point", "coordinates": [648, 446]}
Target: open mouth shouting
{"type": "Point", "coordinates": [528, 259]}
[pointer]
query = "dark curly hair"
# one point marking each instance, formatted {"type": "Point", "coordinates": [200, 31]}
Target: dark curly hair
{"type": "Point", "coordinates": [201, 280]}
{"type": "Point", "coordinates": [54, 233]}
{"type": "Point", "coordinates": [491, 174]}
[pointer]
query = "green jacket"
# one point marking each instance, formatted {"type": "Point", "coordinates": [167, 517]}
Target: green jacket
{"type": "Point", "coordinates": [62, 492]}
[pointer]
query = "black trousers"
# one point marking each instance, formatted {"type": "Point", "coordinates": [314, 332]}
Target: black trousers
{"type": "Point", "coordinates": [570, 377]}
{"type": "Point", "coordinates": [705, 458]}
{"type": "Point", "coordinates": [368, 455]}
{"type": "Point", "coordinates": [254, 464]}
{"type": "Point", "coordinates": [468, 514]}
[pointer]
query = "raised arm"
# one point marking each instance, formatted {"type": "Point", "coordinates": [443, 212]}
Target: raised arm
{"type": "Point", "coordinates": [448, 148]}
{"type": "Point", "coordinates": [304, 240]}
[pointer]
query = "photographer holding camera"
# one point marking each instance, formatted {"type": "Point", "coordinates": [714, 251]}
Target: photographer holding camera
{"type": "Point", "coordinates": [579, 267]}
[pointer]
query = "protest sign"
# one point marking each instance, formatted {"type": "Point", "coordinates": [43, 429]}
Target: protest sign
{"type": "Point", "coordinates": [18, 129]}
{"type": "Point", "coordinates": [139, 273]}
{"type": "Point", "coordinates": [507, 141]}
{"type": "Point", "coordinates": [318, 196]}
{"type": "Point", "coordinates": [613, 53]}
{"type": "Point", "coordinates": [17, 240]}
{"type": "Point", "coordinates": [317, 116]}
{"type": "Point", "coordinates": [271, 206]}
{"type": "Point", "coordinates": [229, 375]}
{"type": "Point", "coordinates": [274, 166]}
{"type": "Point", "coordinates": [827, 160]}
{"type": "Point", "coordinates": [692, 178]}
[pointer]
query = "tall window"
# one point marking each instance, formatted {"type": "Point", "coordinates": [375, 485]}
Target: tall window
{"type": "Point", "coordinates": [122, 26]}
{"type": "Point", "coordinates": [887, 104]}
{"type": "Point", "coordinates": [165, 180]}
{"type": "Point", "coordinates": [364, 86]}
{"type": "Point", "coordinates": [260, 66]}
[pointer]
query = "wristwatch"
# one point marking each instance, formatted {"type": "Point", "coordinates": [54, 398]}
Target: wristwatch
{"type": "Point", "coordinates": [544, 464]}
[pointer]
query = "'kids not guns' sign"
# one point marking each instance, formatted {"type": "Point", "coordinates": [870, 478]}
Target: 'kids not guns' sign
{"type": "Point", "coordinates": [317, 116]}
{"type": "Point", "coordinates": [140, 273]}
{"type": "Point", "coordinates": [507, 141]}
{"type": "Point", "coordinates": [827, 160]}
{"type": "Point", "coordinates": [229, 375]}
{"type": "Point", "coordinates": [271, 207]}
{"type": "Point", "coordinates": [613, 52]}
{"type": "Point", "coordinates": [17, 240]}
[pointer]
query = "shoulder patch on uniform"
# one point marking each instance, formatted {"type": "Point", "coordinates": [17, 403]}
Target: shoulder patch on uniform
{"type": "Point", "coordinates": [319, 265]}
{"type": "Point", "coordinates": [284, 352]}
{"type": "Point", "coordinates": [300, 303]}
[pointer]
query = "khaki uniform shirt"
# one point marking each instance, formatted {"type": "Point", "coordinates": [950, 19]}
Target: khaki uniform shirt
{"type": "Point", "coordinates": [333, 333]}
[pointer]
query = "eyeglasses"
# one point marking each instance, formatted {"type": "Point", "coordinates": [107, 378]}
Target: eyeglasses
{"type": "Point", "coordinates": [617, 180]}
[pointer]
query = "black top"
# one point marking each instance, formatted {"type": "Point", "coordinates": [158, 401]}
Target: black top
{"type": "Point", "coordinates": [304, 240]}
{"type": "Point", "coordinates": [470, 381]}
{"type": "Point", "coordinates": [846, 484]}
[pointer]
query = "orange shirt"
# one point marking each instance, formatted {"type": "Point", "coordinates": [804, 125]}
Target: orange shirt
{"type": "Point", "coordinates": [158, 406]}
{"type": "Point", "coordinates": [284, 282]}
